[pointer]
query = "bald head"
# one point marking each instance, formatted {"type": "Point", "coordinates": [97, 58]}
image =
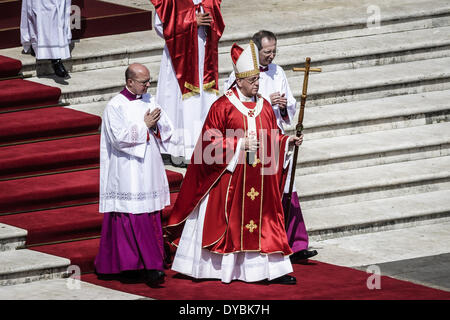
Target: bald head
{"type": "Point", "coordinates": [134, 69]}
{"type": "Point", "coordinates": [137, 77]}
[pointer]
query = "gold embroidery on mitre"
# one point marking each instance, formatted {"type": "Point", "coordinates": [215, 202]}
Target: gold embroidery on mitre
{"type": "Point", "coordinates": [251, 226]}
{"type": "Point", "coordinates": [255, 70]}
{"type": "Point", "coordinates": [252, 193]}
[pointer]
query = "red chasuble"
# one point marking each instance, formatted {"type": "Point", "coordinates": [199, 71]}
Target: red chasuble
{"type": "Point", "coordinates": [244, 210]}
{"type": "Point", "coordinates": [180, 34]}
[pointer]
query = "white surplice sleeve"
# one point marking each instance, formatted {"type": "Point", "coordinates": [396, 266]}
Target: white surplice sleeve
{"type": "Point", "coordinates": [289, 96]}
{"type": "Point", "coordinates": [124, 135]}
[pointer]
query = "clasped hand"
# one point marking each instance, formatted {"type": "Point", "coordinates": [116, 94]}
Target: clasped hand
{"type": "Point", "coordinates": [152, 117]}
{"type": "Point", "coordinates": [204, 19]}
{"type": "Point", "coordinates": [279, 99]}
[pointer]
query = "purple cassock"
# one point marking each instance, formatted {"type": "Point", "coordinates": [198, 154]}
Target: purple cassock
{"type": "Point", "coordinates": [296, 233]}
{"type": "Point", "coordinates": [130, 242]}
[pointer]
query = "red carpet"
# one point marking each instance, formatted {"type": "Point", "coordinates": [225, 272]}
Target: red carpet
{"type": "Point", "coordinates": [316, 281]}
{"type": "Point", "coordinates": [46, 123]}
{"type": "Point", "coordinates": [59, 210]}
{"type": "Point", "coordinates": [58, 224]}
{"type": "Point", "coordinates": [9, 67]}
{"type": "Point", "coordinates": [97, 19]}
{"type": "Point", "coordinates": [18, 93]}
{"type": "Point", "coordinates": [49, 156]}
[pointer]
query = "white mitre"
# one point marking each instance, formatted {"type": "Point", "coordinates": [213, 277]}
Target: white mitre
{"type": "Point", "coordinates": [245, 61]}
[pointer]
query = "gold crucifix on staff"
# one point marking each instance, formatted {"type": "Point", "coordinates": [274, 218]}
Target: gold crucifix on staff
{"type": "Point", "coordinates": [299, 128]}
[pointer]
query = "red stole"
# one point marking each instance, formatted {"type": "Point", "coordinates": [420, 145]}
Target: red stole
{"type": "Point", "coordinates": [180, 34]}
{"type": "Point", "coordinates": [244, 211]}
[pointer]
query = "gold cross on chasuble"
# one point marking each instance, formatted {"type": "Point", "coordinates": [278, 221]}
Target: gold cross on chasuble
{"type": "Point", "coordinates": [252, 194]}
{"type": "Point", "coordinates": [251, 226]}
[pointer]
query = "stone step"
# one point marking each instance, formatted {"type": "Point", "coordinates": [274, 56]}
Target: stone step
{"type": "Point", "coordinates": [430, 241]}
{"type": "Point", "coordinates": [358, 52]}
{"type": "Point", "coordinates": [374, 115]}
{"type": "Point", "coordinates": [374, 82]}
{"type": "Point", "coordinates": [373, 149]}
{"type": "Point", "coordinates": [23, 266]}
{"type": "Point", "coordinates": [327, 88]}
{"type": "Point", "coordinates": [11, 237]}
{"type": "Point", "coordinates": [348, 53]}
{"type": "Point", "coordinates": [63, 289]}
{"type": "Point", "coordinates": [318, 21]}
{"type": "Point", "coordinates": [375, 182]}
{"type": "Point", "coordinates": [377, 215]}
{"type": "Point", "coordinates": [146, 46]}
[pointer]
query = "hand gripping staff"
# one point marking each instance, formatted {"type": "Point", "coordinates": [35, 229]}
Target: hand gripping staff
{"type": "Point", "coordinates": [299, 128]}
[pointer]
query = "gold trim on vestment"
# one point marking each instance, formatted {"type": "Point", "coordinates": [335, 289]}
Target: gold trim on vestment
{"type": "Point", "coordinates": [209, 87]}
{"type": "Point", "coordinates": [243, 188]}
{"type": "Point", "coordinates": [262, 152]}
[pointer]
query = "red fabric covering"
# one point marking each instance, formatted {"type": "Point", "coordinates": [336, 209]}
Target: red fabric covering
{"type": "Point", "coordinates": [180, 34]}
{"type": "Point", "coordinates": [9, 67]}
{"type": "Point", "coordinates": [98, 18]}
{"type": "Point", "coordinates": [23, 93]}
{"type": "Point", "coordinates": [174, 179]}
{"type": "Point", "coordinates": [48, 191]}
{"type": "Point", "coordinates": [44, 123]}
{"type": "Point", "coordinates": [58, 224]}
{"type": "Point", "coordinates": [315, 281]}
{"type": "Point", "coordinates": [47, 156]}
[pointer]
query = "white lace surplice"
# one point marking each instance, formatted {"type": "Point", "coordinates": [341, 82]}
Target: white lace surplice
{"type": "Point", "coordinates": [132, 174]}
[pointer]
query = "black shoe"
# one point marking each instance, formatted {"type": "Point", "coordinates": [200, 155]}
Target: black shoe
{"type": "Point", "coordinates": [286, 279]}
{"type": "Point", "coordinates": [59, 69]}
{"type": "Point", "coordinates": [155, 277]}
{"type": "Point", "coordinates": [178, 162]}
{"type": "Point", "coordinates": [303, 255]}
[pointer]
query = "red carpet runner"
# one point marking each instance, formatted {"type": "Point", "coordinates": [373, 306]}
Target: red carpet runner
{"type": "Point", "coordinates": [49, 170]}
{"type": "Point", "coordinates": [316, 281]}
{"type": "Point", "coordinates": [49, 186]}
{"type": "Point", "coordinates": [97, 19]}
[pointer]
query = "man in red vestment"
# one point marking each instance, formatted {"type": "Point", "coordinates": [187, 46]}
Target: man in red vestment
{"type": "Point", "coordinates": [188, 77]}
{"type": "Point", "coordinates": [228, 219]}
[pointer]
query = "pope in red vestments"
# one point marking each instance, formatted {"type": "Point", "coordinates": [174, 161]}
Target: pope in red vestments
{"type": "Point", "coordinates": [231, 193]}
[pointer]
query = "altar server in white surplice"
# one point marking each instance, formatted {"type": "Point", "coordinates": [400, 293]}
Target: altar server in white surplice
{"type": "Point", "coordinates": [274, 87]}
{"type": "Point", "coordinates": [188, 76]}
{"type": "Point", "coordinates": [133, 182]}
{"type": "Point", "coordinates": [45, 31]}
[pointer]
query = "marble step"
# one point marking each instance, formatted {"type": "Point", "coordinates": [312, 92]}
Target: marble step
{"type": "Point", "coordinates": [358, 52]}
{"type": "Point", "coordinates": [24, 266]}
{"type": "Point", "coordinates": [327, 88]}
{"type": "Point", "coordinates": [63, 289]}
{"type": "Point", "coordinates": [374, 82]}
{"type": "Point", "coordinates": [11, 237]}
{"type": "Point", "coordinates": [318, 21]}
{"type": "Point", "coordinates": [373, 149]}
{"type": "Point", "coordinates": [356, 117]}
{"type": "Point", "coordinates": [430, 242]}
{"type": "Point", "coordinates": [146, 46]}
{"type": "Point", "coordinates": [388, 113]}
{"type": "Point", "coordinates": [347, 53]}
{"type": "Point", "coordinates": [375, 182]}
{"type": "Point", "coordinates": [377, 215]}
